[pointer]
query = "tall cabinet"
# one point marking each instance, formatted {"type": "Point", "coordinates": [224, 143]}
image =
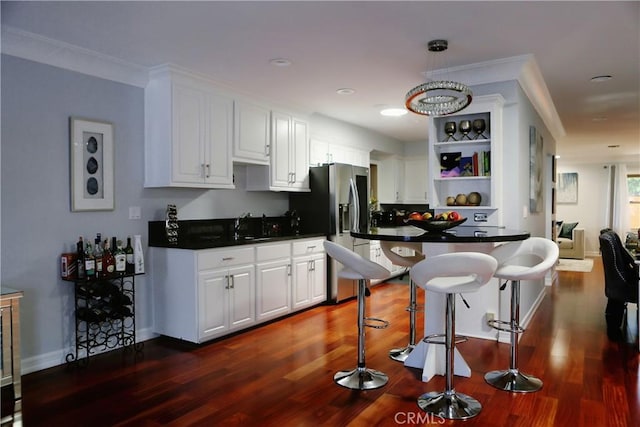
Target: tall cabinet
{"type": "Point", "coordinates": [465, 163]}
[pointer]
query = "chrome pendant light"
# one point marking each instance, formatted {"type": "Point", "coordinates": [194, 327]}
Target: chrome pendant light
{"type": "Point", "coordinates": [438, 97]}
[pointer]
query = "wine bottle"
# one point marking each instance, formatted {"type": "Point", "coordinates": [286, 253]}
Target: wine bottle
{"type": "Point", "coordinates": [128, 251]}
{"type": "Point", "coordinates": [80, 259]}
{"type": "Point", "coordinates": [89, 261]}
{"type": "Point", "coordinates": [98, 254]}
{"type": "Point", "coordinates": [121, 258]}
{"type": "Point", "coordinates": [109, 262]}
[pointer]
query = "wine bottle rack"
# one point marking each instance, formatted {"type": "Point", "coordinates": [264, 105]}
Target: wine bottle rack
{"type": "Point", "coordinates": [104, 316]}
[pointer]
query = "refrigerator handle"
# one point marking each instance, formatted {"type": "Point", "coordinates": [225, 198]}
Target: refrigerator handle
{"type": "Point", "coordinates": [355, 224]}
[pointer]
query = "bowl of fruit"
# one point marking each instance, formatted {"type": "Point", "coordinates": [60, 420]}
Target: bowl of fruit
{"type": "Point", "coordinates": [439, 222]}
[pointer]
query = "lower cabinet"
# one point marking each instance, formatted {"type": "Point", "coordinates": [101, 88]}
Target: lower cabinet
{"type": "Point", "coordinates": [199, 295]}
{"type": "Point", "coordinates": [225, 301]}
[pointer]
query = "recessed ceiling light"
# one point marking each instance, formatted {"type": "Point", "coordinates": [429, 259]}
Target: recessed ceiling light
{"type": "Point", "coordinates": [602, 78]}
{"type": "Point", "coordinates": [280, 62]}
{"type": "Point", "coordinates": [394, 112]}
{"type": "Point", "coordinates": [557, 156]}
{"type": "Point", "coordinates": [345, 91]}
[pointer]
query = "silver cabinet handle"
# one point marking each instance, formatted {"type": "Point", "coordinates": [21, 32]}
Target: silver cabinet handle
{"type": "Point", "coordinates": [208, 170]}
{"type": "Point", "coordinates": [267, 149]}
{"type": "Point", "coordinates": [228, 281]}
{"type": "Point", "coordinates": [227, 258]}
{"type": "Point", "coordinates": [288, 269]}
{"type": "Point", "coordinates": [233, 281]}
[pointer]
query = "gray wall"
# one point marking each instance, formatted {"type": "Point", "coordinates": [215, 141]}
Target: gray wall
{"type": "Point", "coordinates": [37, 223]}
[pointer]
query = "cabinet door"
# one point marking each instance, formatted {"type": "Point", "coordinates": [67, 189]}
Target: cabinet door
{"type": "Point", "coordinates": [251, 133]}
{"type": "Point", "coordinates": [219, 139]}
{"type": "Point", "coordinates": [273, 289]}
{"type": "Point", "coordinates": [318, 279]}
{"type": "Point", "coordinates": [188, 134]}
{"type": "Point", "coordinates": [390, 180]}
{"type": "Point", "coordinates": [281, 173]}
{"type": "Point", "coordinates": [301, 276]}
{"type": "Point", "coordinates": [213, 303]}
{"type": "Point", "coordinates": [299, 154]}
{"type": "Point", "coordinates": [415, 180]}
{"type": "Point", "coordinates": [242, 297]}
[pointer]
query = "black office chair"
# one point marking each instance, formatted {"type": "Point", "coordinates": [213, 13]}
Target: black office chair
{"type": "Point", "coordinates": [620, 281]}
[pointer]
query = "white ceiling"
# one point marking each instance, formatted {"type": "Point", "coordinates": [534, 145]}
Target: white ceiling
{"type": "Point", "coordinates": [378, 49]}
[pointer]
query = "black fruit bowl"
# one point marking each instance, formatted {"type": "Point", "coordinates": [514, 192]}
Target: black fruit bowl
{"type": "Point", "coordinates": [434, 224]}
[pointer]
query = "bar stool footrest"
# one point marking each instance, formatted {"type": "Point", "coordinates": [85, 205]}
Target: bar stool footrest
{"type": "Point", "coordinates": [416, 308]}
{"type": "Point", "coordinates": [498, 324]}
{"type": "Point", "coordinates": [373, 322]}
{"type": "Point", "coordinates": [439, 339]}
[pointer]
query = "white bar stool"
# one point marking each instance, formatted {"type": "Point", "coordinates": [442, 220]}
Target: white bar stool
{"type": "Point", "coordinates": [362, 270]}
{"type": "Point", "coordinates": [401, 354]}
{"type": "Point", "coordinates": [451, 274]}
{"type": "Point", "coordinates": [523, 260]}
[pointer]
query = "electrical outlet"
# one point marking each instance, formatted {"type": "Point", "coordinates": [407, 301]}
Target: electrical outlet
{"type": "Point", "coordinates": [490, 317]}
{"type": "Point", "coordinates": [480, 217]}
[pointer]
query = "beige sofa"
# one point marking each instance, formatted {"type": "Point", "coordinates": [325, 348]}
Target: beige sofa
{"type": "Point", "coordinates": [574, 247]}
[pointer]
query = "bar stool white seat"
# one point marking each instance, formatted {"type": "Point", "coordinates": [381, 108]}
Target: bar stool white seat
{"type": "Point", "coordinates": [362, 270]}
{"type": "Point", "coordinates": [401, 354]}
{"type": "Point", "coordinates": [523, 260]}
{"type": "Point", "coordinates": [451, 274]}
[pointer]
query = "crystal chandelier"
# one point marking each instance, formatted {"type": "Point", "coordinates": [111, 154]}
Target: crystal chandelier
{"type": "Point", "coordinates": [438, 97]}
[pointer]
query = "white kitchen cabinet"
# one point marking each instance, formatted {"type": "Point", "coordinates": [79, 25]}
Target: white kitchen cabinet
{"type": "Point", "coordinates": [415, 180]}
{"type": "Point", "coordinates": [309, 273]}
{"type": "Point", "coordinates": [289, 167]}
{"type": "Point", "coordinates": [252, 138]}
{"type": "Point", "coordinates": [484, 177]}
{"type": "Point", "coordinates": [324, 152]}
{"type": "Point", "coordinates": [202, 294]}
{"type": "Point", "coordinates": [273, 280]}
{"type": "Point", "coordinates": [225, 301]}
{"type": "Point", "coordinates": [188, 132]}
{"type": "Point", "coordinates": [391, 180]}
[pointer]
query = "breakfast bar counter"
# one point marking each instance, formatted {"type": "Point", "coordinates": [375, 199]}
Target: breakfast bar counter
{"type": "Point", "coordinates": [428, 357]}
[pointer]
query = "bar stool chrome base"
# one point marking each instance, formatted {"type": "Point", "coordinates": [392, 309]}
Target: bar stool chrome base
{"type": "Point", "coordinates": [361, 379]}
{"type": "Point", "coordinates": [401, 354]}
{"type": "Point", "coordinates": [513, 380]}
{"type": "Point", "coordinates": [449, 405]}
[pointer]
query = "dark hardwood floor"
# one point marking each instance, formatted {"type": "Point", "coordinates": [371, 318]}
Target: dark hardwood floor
{"type": "Point", "coordinates": [281, 374]}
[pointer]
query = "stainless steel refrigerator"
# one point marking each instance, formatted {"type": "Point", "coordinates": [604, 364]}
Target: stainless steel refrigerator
{"type": "Point", "coordinates": [338, 203]}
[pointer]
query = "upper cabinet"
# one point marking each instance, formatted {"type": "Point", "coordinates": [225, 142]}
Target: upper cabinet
{"type": "Point", "coordinates": [465, 152]}
{"type": "Point", "coordinates": [415, 180]}
{"type": "Point", "coordinates": [391, 180]}
{"type": "Point", "coordinates": [289, 157]}
{"type": "Point", "coordinates": [188, 132]}
{"type": "Point", "coordinates": [251, 142]}
{"type": "Point", "coordinates": [324, 152]}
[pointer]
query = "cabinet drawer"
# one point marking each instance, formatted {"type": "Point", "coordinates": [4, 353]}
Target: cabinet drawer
{"type": "Point", "coordinates": [305, 247]}
{"type": "Point", "coordinates": [225, 257]}
{"type": "Point", "coordinates": [267, 251]}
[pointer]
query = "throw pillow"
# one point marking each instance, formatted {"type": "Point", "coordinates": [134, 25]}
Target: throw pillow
{"type": "Point", "coordinates": [558, 228]}
{"type": "Point", "coordinates": [567, 229]}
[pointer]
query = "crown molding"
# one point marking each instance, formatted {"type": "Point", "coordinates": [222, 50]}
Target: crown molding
{"type": "Point", "coordinates": [524, 69]}
{"type": "Point", "coordinates": [34, 47]}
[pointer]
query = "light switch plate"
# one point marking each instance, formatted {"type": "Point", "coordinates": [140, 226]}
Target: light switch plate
{"type": "Point", "coordinates": [135, 212]}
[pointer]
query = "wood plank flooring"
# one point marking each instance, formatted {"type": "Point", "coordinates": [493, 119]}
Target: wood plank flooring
{"type": "Point", "coordinates": [281, 374]}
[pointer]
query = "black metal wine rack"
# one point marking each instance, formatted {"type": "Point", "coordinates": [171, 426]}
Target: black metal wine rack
{"type": "Point", "coordinates": [104, 316]}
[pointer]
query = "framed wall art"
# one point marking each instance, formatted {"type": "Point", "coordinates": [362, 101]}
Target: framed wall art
{"type": "Point", "coordinates": [535, 170]}
{"type": "Point", "coordinates": [92, 169]}
{"type": "Point", "coordinates": [567, 187]}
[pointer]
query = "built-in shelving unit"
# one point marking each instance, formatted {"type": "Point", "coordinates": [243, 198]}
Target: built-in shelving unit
{"type": "Point", "coordinates": [465, 163]}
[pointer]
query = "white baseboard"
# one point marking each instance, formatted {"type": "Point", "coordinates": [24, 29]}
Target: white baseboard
{"type": "Point", "coordinates": [58, 357]}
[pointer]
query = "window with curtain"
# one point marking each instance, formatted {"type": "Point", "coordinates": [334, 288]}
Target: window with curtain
{"type": "Point", "coordinates": [633, 185]}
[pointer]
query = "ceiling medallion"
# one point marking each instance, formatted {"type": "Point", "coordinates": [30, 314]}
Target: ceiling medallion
{"type": "Point", "coordinates": [438, 97]}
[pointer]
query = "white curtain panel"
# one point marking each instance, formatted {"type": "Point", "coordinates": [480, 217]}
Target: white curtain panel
{"type": "Point", "coordinates": [618, 217]}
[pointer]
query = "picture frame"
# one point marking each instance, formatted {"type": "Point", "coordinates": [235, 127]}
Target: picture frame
{"type": "Point", "coordinates": [535, 170]}
{"type": "Point", "coordinates": [92, 165]}
{"type": "Point", "coordinates": [567, 188]}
